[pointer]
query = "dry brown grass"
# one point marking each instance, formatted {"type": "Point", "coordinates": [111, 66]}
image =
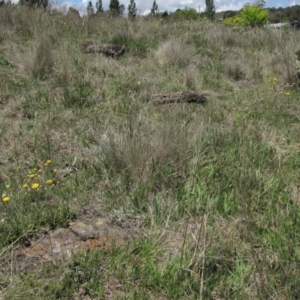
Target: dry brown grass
{"type": "Point", "coordinates": [175, 52]}
{"type": "Point", "coordinates": [36, 61]}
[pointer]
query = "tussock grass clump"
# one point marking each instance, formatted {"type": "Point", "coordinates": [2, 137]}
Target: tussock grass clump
{"type": "Point", "coordinates": [234, 69]}
{"type": "Point", "coordinates": [147, 156]}
{"type": "Point", "coordinates": [284, 62]}
{"type": "Point", "coordinates": [37, 61]}
{"type": "Point", "coordinates": [175, 52]}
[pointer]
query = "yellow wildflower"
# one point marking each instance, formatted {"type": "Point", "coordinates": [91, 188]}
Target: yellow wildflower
{"type": "Point", "coordinates": [31, 175]}
{"type": "Point", "coordinates": [50, 181]}
{"type": "Point", "coordinates": [25, 186]}
{"type": "Point", "coordinates": [35, 186]}
{"type": "Point", "coordinates": [287, 93]}
{"type": "Point", "coordinates": [48, 161]}
{"type": "Point", "coordinates": [5, 198]}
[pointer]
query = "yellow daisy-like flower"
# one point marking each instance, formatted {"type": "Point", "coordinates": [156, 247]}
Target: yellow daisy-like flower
{"type": "Point", "coordinates": [31, 175]}
{"type": "Point", "coordinates": [48, 161]}
{"type": "Point", "coordinates": [50, 181]}
{"type": "Point", "coordinates": [25, 186]}
{"type": "Point", "coordinates": [287, 93]}
{"type": "Point", "coordinates": [5, 198]}
{"type": "Point", "coordinates": [35, 186]}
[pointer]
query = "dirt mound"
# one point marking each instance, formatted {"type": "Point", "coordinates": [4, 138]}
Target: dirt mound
{"type": "Point", "coordinates": [62, 243]}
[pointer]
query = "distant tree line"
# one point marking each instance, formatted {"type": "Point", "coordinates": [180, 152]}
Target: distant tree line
{"type": "Point", "coordinates": [288, 14]}
{"type": "Point", "coordinates": [276, 15]}
{"type": "Point", "coordinates": [118, 9]}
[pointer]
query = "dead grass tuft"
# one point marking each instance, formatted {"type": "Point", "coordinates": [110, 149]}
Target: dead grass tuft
{"type": "Point", "coordinates": [175, 52]}
{"type": "Point", "coordinates": [149, 152]}
{"type": "Point", "coordinates": [37, 61]}
{"type": "Point", "coordinates": [284, 62]}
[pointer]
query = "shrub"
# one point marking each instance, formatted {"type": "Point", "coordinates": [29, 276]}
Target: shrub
{"type": "Point", "coordinates": [251, 15]}
{"type": "Point", "coordinates": [234, 21]}
{"type": "Point", "coordinates": [185, 14]}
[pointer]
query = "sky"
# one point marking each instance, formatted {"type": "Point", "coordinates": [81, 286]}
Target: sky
{"type": "Point", "coordinates": [144, 6]}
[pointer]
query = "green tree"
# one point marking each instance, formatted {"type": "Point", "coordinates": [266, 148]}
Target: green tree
{"type": "Point", "coordinates": [90, 8]}
{"type": "Point", "coordinates": [114, 7]}
{"type": "Point", "coordinates": [154, 9]}
{"type": "Point", "coordinates": [99, 6]}
{"type": "Point", "coordinates": [253, 15]}
{"type": "Point", "coordinates": [132, 10]}
{"type": "Point", "coordinates": [185, 14]}
{"type": "Point", "coordinates": [210, 10]}
{"type": "Point", "coordinates": [261, 3]}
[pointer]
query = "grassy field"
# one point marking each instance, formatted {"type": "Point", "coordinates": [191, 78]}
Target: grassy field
{"type": "Point", "coordinates": [215, 188]}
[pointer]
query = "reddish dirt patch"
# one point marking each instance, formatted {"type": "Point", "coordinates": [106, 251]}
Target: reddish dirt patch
{"type": "Point", "coordinates": [62, 243]}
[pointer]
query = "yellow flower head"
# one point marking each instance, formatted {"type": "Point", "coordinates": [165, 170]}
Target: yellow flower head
{"type": "Point", "coordinates": [50, 181]}
{"type": "Point", "coordinates": [31, 175]}
{"type": "Point", "coordinates": [287, 93]}
{"type": "Point", "coordinates": [5, 198]}
{"type": "Point", "coordinates": [48, 161]}
{"type": "Point", "coordinates": [25, 186]}
{"type": "Point", "coordinates": [35, 186]}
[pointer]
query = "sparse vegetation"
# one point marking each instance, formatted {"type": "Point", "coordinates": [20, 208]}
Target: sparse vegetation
{"type": "Point", "coordinates": [213, 190]}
